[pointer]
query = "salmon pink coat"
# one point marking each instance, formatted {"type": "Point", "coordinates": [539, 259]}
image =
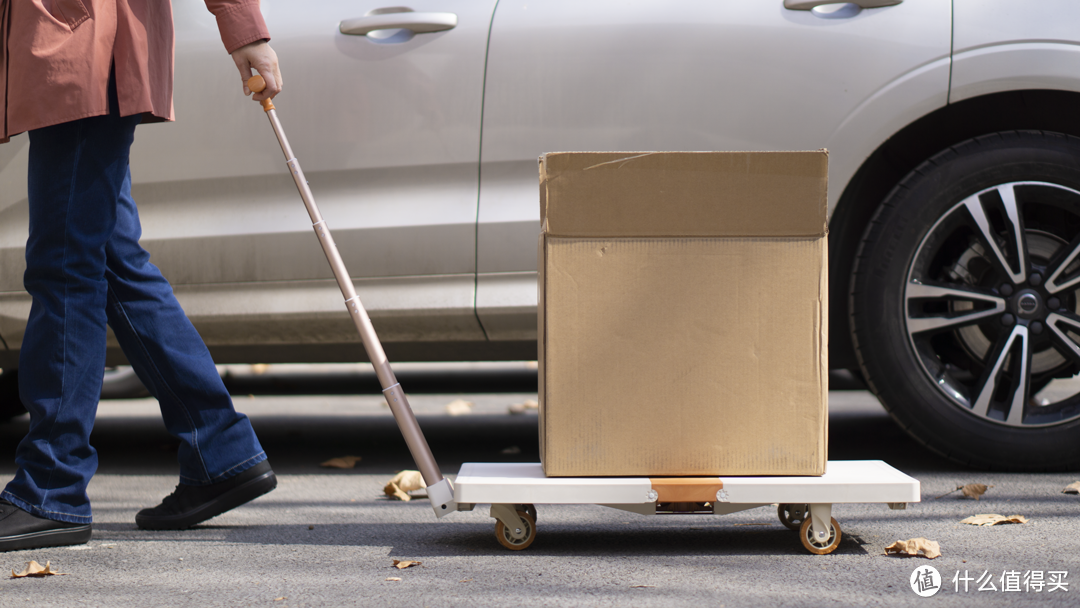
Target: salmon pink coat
{"type": "Point", "coordinates": [55, 57]}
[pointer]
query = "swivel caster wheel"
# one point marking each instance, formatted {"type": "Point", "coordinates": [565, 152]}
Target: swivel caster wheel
{"type": "Point", "coordinates": [793, 516]}
{"type": "Point", "coordinates": [821, 546]}
{"type": "Point", "coordinates": [527, 533]}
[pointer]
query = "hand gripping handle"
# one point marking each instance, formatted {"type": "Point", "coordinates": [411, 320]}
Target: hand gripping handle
{"type": "Point", "coordinates": [256, 84]}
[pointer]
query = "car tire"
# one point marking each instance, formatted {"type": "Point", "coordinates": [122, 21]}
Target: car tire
{"type": "Point", "coordinates": [965, 302]}
{"type": "Point", "coordinates": [10, 404]}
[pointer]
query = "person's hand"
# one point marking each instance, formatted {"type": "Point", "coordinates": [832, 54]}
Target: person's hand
{"type": "Point", "coordinates": [260, 56]}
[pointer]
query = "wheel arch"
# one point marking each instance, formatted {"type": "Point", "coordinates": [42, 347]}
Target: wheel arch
{"type": "Point", "coordinates": [1037, 109]}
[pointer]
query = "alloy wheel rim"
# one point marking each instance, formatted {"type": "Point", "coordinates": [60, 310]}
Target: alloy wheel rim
{"type": "Point", "coordinates": [992, 304]}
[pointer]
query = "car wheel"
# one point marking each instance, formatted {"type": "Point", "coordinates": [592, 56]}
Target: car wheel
{"type": "Point", "coordinates": [10, 404]}
{"type": "Point", "coordinates": [965, 307]}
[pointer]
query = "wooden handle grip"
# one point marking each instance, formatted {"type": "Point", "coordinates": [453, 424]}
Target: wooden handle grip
{"type": "Point", "coordinates": [256, 84]}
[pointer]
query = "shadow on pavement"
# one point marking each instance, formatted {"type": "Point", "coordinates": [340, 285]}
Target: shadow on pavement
{"type": "Point", "coordinates": [704, 536]}
{"type": "Point", "coordinates": [296, 443]}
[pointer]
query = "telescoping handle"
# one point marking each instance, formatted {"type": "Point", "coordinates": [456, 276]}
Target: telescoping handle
{"type": "Point", "coordinates": [440, 491]}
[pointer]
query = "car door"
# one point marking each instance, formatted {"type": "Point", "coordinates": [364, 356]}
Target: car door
{"type": "Point", "coordinates": [387, 128]}
{"type": "Point", "coordinates": [684, 75]}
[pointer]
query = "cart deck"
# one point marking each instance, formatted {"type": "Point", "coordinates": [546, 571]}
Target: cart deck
{"type": "Point", "coordinates": [805, 503]}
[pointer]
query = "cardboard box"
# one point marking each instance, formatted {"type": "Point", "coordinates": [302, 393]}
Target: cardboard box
{"type": "Point", "coordinates": [683, 308]}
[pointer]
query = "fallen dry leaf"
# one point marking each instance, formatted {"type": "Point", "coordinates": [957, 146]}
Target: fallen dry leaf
{"type": "Point", "coordinates": [402, 564]}
{"type": "Point", "coordinates": [974, 490]}
{"type": "Point", "coordinates": [915, 547]}
{"type": "Point", "coordinates": [1072, 488]}
{"type": "Point", "coordinates": [393, 578]}
{"type": "Point", "coordinates": [403, 483]}
{"type": "Point", "coordinates": [459, 407]}
{"type": "Point", "coordinates": [465, 580]}
{"type": "Point", "coordinates": [37, 570]}
{"type": "Point", "coordinates": [971, 490]}
{"type": "Point", "coordinates": [393, 491]}
{"type": "Point", "coordinates": [527, 406]}
{"type": "Point", "coordinates": [992, 519]}
{"type": "Point", "coordinates": [341, 462]}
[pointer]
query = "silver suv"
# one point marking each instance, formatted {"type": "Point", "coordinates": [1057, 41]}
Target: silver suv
{"type": "Point", "coordinates": [954, 199]}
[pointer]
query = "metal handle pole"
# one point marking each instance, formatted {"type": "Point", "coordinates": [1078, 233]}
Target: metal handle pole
{"type": "Point", "coordinates": [439, 489]}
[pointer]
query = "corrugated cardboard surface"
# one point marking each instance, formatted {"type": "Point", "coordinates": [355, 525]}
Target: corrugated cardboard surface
{"type": "Point", "coordinates": [683, 355]}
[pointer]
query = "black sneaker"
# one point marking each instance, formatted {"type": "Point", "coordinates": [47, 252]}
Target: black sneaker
{"type": "Point", "coordinates": [190, 505]}
{"type": "Point", "coordinates": [22, 530]}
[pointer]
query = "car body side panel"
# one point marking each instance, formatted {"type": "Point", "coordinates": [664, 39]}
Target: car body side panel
{"type": "Point", "coordinates": [503, 298]}
{"type": "Point", "coordinates": [13, 232]}
{"type": "Point", "coordinates": [14, 228]}
{"type": "Point", "coordinates": [897, 104]}
{"type": "Point", "coordinates": [1002, 45]}
{"type": "Point", "coordinates": [1016, 66]}
{"type": "Point", "coordinates": [981, 23]}
{"type": "Point", "coordinates": [388, 133]}
{"type": "Point", "coordinates": [685, 75]}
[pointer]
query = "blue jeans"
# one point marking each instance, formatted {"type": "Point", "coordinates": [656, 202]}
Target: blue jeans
{"type": "Point", "coordinates": [85, 268]}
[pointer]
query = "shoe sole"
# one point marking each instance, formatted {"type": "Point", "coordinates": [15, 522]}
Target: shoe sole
{"type": "Point", "coordinates": [61, 537]}
{"type": "Point", "coordinates": [246, 492]}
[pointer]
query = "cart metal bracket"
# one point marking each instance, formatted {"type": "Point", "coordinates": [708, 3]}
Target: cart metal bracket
{"type": "Point", "coordinates": [820, 521]}
{"type": "Point", "coordinates": [441, 496]}
{"type": "Point", "coordinates": [507, 514]}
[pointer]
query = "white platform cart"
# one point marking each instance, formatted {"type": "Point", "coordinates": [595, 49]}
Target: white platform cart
{"type": "Point", "coordinates": [804, 503]}
{"type": "Point", "coordinates": [512, 490]}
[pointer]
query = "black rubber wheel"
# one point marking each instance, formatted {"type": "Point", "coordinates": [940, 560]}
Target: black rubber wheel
{"type": "Point", "coordinates": [10, 404]}
{"type": "Point", "coordinates": [966, 302]}
{"type": "Point", "coordinates": [793, 515]}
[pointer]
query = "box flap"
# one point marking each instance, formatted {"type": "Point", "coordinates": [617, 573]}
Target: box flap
{"type": "Point", "coordinates": [646, 194]}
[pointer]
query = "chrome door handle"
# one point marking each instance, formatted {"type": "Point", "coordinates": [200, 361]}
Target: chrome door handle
{"type": "Point", "coordinates": [805, 5]}
{"type": "Point", "coordinates": [419, 23]}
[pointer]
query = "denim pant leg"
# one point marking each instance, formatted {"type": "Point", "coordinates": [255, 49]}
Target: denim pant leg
{"type": "Point", "coordinates": [216, 442]}
{"type": "Point", "coordinates": [76, 173]}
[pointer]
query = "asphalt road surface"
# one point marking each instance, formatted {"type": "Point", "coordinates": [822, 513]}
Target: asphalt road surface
{"type": "Point", "coordinates": [328, 537]}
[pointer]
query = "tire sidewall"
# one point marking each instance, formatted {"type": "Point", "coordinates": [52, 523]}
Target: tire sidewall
{"type": "Point", "coordinates": [887, 357]}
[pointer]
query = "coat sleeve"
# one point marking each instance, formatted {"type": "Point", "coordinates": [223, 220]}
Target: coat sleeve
{"type": "Point", "coordinates": [4, 25]}
{"type": "Point", "coordinates": [239, 22]}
